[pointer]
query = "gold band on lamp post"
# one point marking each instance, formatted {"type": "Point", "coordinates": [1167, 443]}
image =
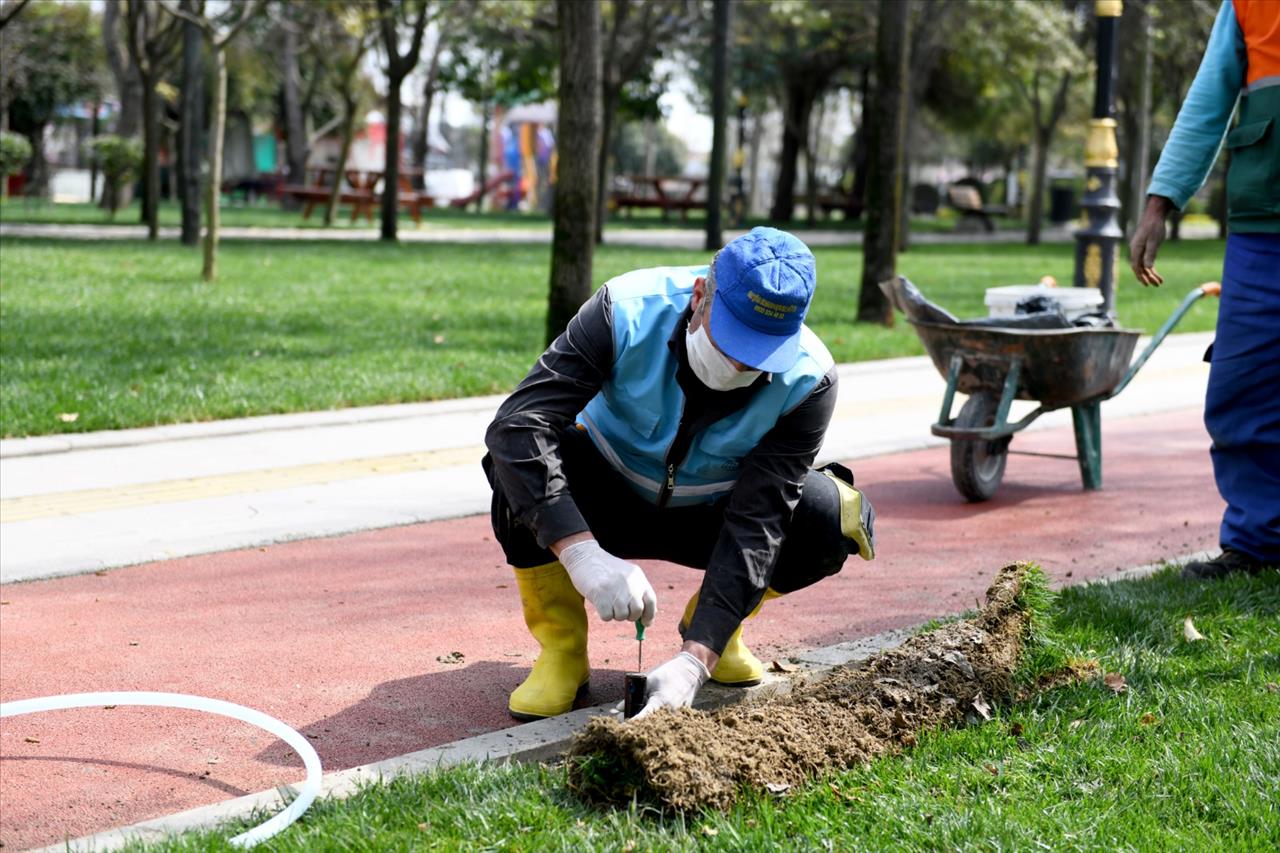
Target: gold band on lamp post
{"type": "Point", "coordinates": [1108, 8]}
{"type": "Point", "coordinates": [1100, 149]}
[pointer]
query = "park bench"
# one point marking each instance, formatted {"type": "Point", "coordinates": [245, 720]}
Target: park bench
{"type": "Point", "coordinates": [830, 200]}
{"type": "Point", "coordinates": [361, 193]}
{"type": "Point", "coordinates": [967, 201]}
{"type": "Point", "coordinates": [661, 192]}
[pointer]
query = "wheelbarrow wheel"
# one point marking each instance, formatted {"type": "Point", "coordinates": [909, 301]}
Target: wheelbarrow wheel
{"type": "Point", "coordinates": [977, 466]}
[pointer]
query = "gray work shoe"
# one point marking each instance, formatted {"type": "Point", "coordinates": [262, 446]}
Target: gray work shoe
{"type": "Point", "coordinates": [1228, 562]}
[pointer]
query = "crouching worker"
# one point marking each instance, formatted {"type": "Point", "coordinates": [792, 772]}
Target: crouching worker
{"type": "Point", "coordinates": [675, 419]}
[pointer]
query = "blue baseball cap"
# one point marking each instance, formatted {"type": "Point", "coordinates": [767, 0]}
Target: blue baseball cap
{"type": "Point", "coordinates": [764, 282]}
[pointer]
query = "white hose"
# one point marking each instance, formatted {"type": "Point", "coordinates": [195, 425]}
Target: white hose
{"type": "Point", "coordinates": [259, 833]}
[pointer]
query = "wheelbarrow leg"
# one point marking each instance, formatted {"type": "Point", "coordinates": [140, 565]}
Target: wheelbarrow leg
{"type": "Point", "coordinates": [1087, 419]}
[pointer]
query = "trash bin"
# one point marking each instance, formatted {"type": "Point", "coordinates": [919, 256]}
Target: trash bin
{"type": "Point", "coordinates": [1062, 203]}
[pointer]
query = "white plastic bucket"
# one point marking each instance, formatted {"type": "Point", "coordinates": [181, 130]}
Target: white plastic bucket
{"type": "Point", "coordinates": [1075, 301]}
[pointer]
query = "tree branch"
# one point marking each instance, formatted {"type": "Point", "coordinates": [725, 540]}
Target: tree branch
{"type": "Point", "coordinates": [8, 15]}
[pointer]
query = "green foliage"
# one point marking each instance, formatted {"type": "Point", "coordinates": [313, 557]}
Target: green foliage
{"type": "Point", "coordinates": [15, 151]}
{"type": "Point", "coordinates": [119, 158]}
{"type": "Point", "coordinates": [52, 59]}
{"type": "Point", "coordinates": [504, 53]}
{"type": "Point", "coordinates": [670, 153]}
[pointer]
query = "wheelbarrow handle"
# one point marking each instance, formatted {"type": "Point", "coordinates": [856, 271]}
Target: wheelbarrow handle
{"type": "Point", "coordinates": [1210, 288]}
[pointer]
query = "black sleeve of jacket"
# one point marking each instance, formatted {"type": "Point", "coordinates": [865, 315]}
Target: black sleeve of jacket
{"type": "Point", "coordinates": [757, 516]}
{"type": "Point", "coordinates": [524, 438]}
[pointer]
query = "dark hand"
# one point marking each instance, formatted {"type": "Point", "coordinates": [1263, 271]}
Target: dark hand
{"type": "Point", "coordinates": [1147, 239]}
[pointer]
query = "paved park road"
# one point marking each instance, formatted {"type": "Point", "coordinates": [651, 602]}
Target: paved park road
{"type": "Point", "coordinates": [384, 641]}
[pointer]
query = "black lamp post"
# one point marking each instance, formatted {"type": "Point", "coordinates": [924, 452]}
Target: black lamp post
{"type": "Point", "coordinates": [1097, 242]}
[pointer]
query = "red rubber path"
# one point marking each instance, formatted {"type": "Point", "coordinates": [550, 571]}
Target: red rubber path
{"type": "Point", "coordinates": [350, 640]}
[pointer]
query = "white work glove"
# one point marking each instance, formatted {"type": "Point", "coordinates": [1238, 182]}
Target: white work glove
{"type": "Point", "coordinates": [618, 589]}
{"type": "Point", "coordinates": [674, 684]}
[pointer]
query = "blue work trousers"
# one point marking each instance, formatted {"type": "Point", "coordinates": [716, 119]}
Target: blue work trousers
{"type": "Point", "coordinates": [1242, 407]}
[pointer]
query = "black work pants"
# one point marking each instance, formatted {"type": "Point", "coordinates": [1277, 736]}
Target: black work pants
{"type": "Point", "coordinates": [628, 526]}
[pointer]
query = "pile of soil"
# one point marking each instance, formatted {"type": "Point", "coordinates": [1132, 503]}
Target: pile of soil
{"type": "Point", "coordinates": [686, 759]}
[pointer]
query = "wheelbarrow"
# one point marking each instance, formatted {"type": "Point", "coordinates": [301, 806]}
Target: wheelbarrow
{"type": "Point", "coordinates": [1059, 368]}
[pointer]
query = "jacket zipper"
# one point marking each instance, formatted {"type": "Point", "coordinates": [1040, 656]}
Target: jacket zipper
{"type": "Point", "coordinates": [669, 485]}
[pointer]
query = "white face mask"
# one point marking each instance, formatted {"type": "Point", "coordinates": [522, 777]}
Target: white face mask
{"type": "Point", "coordinates": [712, 367]}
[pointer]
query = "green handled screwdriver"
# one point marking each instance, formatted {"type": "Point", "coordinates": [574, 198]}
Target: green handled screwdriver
{"type": "Point", "coordinates": [640, 642]}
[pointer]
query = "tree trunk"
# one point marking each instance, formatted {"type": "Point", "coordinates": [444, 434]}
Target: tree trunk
{"type": "Point", "coordinates": [295, 128]}
{"type": "Point", "coordinates": [485, 118]}
{"type": "Point", "coordinates": [150, 159]}
{"type": "Point", "coordinates": [753, 165]}
{"type": "Point", "coordinates": [421, 145]}
{"type": "Point", "coordinates": [795, 131]}
{"type": "Point", "coordinates": [1142, 148]}
{"type": "Point", "coordinates": [391, 168]}
{"type": "Point", "coordinates": [721, 22]}
{"type": "Point", "coordinates": [38, 167]}
{"type": "Point", "coordinates": [609, 109]}
{"type": "Point", "coordinates": [1039, 165]}
{"type": "Point", "coordinates": [884, 186]}
{"type": "Point", "coordinates": [217, 132]}
{"type": "Point", "coordinates": [191, 126]}
{"type": "Point", "coordinates": [862, 144]}
{"type": "Point", "coordinates": [578, 137]}
{"type": "Point", "coordinates": [348, 131]}
{"type": "Point", "coordinates": [813, 141]}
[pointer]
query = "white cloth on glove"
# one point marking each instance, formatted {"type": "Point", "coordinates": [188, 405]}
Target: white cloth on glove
{"type": "Point", "coordinates": [618, 589]}
{"type": "Point", "coordinates": [674, 684]}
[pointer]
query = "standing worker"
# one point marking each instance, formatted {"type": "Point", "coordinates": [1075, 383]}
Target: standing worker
{"type": "Point", "coordinates": [676, 419]}
{"type": "Point", "coordinates": [1242, 407]}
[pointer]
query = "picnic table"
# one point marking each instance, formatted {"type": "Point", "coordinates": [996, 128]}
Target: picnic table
{"type": "Point", "coordinates": [666, 192]}
{"type": "Point", "coordinates": [363, 191]}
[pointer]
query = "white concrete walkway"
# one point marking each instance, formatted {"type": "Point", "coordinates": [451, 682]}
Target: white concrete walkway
{"type": "Point", "coordinates": [79, 503]}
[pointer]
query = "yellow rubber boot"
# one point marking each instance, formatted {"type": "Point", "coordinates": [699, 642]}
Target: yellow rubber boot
{"type": "Point", "coordinates": [737, 666]}
{"type": "Point", "coordinates": [556, 617]}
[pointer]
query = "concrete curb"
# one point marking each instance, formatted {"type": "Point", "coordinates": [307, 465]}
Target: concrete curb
{"type": "Point", "coordinates": [539, 741]}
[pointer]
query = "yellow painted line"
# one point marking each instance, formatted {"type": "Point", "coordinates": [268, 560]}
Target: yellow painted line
{"type": "Point", "coordinates": [220, 485]}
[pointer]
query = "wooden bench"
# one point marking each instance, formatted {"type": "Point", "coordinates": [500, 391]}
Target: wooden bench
{"type": "Point", "coordinates": [967, 201]}
{"type": "Point", "coordinates": [660, 192]}
{"type": "Point", "coordinates": [362, 193]}
{"type": "Point", "coordinates": [829, 201]}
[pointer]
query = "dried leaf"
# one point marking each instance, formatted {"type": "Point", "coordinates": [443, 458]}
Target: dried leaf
{"type": "Point", "coordinates": [980, 705]}
{"type": "Point", "coordinates": [501, 586]}
{"type": "Point", "coordinates": [1115, 681]}
{"type": "Point", "coordinates": [424, 826]}
{"type": "Point", "coordinates": [32, 739]}
{"type": "Point", "coordinates": [101, 573]}
{"type": "Point", "coordinates": [133, 643]}
{"type": "Point", "coordinates": [992, 769]}
{"type": "Point", "coordinates": [710, 830]}
{"type": "Point", "coordinates": [68, 417]}
{"type": "Point", "coordinates": [779, 666]}
{"type": "Point", "coordinates": [1189, 632]}
{"type": "Point", "coordinates": [438, 339]}
{"type": "Point", "coordinates": [452, 657]}
{"type": "Point", "coordinates": [1015, 729]}
{"type": "Point", "coordinates": [1148, 719]}
{"type": "Point", "coordinates": [108, 707]}
{"type": "Point", "coordinates": [777, 788]}
{"type": "Point", "coordinates": [1273, 687]}
{"type": "Point", "coordinates": [513, 654]}
{"type": "Point", "coordinates": [1074, 724]}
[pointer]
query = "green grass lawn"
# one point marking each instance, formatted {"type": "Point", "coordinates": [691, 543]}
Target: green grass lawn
{"type": "Point", "coordinates": [124, 333]}
{"type": "Point", "coordinates": [1185, 758]}
{"type": "Point", "coordinates": [272, 215]}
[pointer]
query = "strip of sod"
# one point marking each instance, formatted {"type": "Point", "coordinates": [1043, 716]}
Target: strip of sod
{"type": "Point", "coordinates": [1184, 757]}
{"type": "Point", "coordinates": [114, 334]}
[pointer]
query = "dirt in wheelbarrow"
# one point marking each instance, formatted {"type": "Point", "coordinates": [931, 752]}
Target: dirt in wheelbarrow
{"type": "Point", "coordinates": [686, 759]}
